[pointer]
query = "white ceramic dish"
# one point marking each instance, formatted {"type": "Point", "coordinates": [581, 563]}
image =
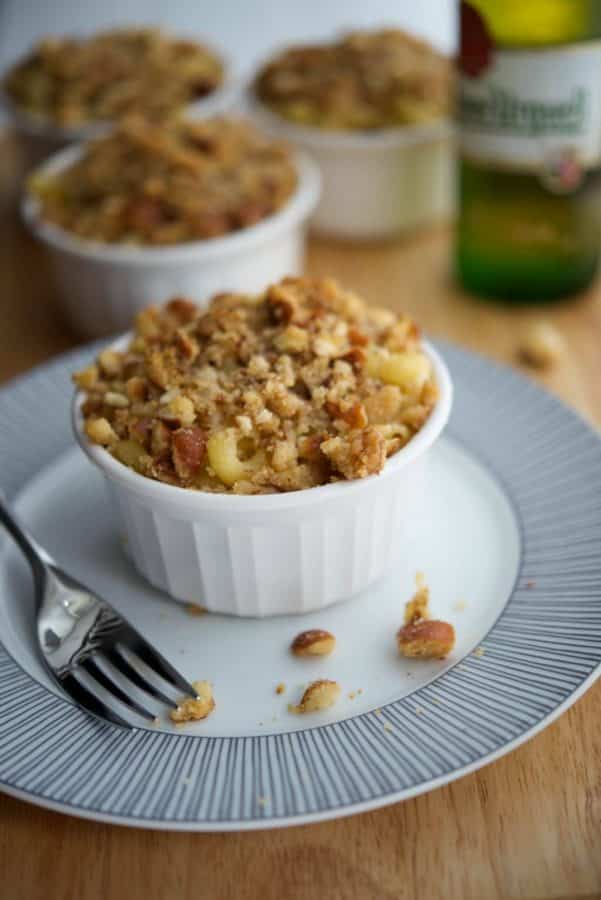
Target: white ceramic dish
{"type": "Point", "coordinates": [103, 286]}
{"type": "Point", "coordinates": [40, 138]}
{"type": "Point", "coordinates": [511, 527]}
{"type": "Point", "coordinates": [374, 185]}
{"type": "Point", "coordinates": [276, 554]}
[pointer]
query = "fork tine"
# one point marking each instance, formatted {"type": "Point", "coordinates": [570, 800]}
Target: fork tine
{"type": "Point", "coordinates": [117, 660]}
{"type": "Point", "coordinates": [93, 669]}
{"type": "Point", "coordinates": [154, 660]}
{"type": "Point", "coordinates": [86, 699]}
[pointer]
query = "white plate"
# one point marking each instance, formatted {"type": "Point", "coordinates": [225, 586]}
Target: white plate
{"type": "Point", "coordinates": [509, 547]}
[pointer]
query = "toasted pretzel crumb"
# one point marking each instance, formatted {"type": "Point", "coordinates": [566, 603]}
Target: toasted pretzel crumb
{"type": "Point", "coordinates": [314, 642]}
{"type": "Point", "coordinates": [280, 688]}
{"type": "Point", "coordinates": [530, 585]}
{"type": "Point", "coordinates": [190, 709]}
{"type": "Point", "coordinates": [426, 639]}
{"type": "Point", "coordinates": [318, 695]}
{"type": "Point", "coordinates": [542, 346]}
{"type": "Point", "coordinates": [479, 652]}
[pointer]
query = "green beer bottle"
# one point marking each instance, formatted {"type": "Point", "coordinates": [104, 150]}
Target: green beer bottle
{"type": "Point", "coordinates": [529, 111]}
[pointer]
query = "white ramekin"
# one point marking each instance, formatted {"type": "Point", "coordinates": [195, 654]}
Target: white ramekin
{"type": "Point", "coordinates": [274, 554]}
{"type": "Point", "coordinates": [39, 138]}
{"type": "Point", "coordinates": [102, 286]}
{"type": "Point", "coordinates": [374, 185]}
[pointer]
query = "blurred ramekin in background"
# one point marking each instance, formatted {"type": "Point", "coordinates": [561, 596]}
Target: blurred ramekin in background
{"type": "Point", "coordinates": [40, 137]}
{"type": "Point", "coordinates": [375, 184]}
{"type": "Point", "coordinates": [272, 554]}
{"type": "Point", "coordinates": [101, 287]}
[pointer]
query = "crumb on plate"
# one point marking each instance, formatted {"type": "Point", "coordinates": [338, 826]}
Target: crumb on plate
{"type": "Point", "coordinates": [418, 607]}
{"type": "Point", "coordinates": [313, 642]}
{"type": "Point", "coordinates": [320, 694]}
{"type": "Point", "coordinates": [426, 639]}
{"type": "Point", "coordinates": [193, 709]}
{"type": "Point", "coordinates": [195, 609]}
{"type": "Point", "coordinates": [420, 636]}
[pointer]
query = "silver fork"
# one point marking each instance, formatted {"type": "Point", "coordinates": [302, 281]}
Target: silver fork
{"type": "Point", "coordinates": [77, 632]}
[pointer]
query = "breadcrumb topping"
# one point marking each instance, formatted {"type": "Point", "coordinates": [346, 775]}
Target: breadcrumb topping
{"type": "Point", "coordinates": [208, 400]}
{"type": "Point", "coordinates": [168, 183]}
{"type": "Point", "coordinates": [365, 80]}
{"type": "Point", "coordinates": [143, 70]}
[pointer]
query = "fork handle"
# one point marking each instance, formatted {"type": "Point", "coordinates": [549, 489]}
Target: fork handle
{"type": "Point", "coordinates": [37, 557]}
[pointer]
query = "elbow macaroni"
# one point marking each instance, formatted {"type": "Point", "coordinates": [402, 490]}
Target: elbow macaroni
{"type": "Point", "coordinates": [409, 370]}
{"type": "Point", "coordinates": [224, 458]}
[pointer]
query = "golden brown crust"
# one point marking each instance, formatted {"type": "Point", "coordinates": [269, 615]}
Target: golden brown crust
{"type": "Point", "coordinates": [72, 81]}
{"type": "Point", "coordinates": [240, 414]}
{"type": "Point", "coordinates": [366, 80]}
{"type": "Point", "coordinates": [313, 642]}
{"type": "Point", "coordinates": [158, 184]}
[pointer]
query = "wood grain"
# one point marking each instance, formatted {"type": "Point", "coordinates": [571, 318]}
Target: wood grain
{"type": "Point", "coordinates": [528, 826]}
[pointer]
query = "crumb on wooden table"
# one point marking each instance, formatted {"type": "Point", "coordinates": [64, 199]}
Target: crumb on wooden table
{"type": "Point", "coordinates": [542, 345]}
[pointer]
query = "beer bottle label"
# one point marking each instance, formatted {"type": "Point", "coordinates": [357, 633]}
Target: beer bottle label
{"type": "Point", "coordinates": [529, 110]}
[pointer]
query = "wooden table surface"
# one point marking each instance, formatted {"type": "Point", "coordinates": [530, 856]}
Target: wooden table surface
{"type": "Point", "coordinates": [528, 826]}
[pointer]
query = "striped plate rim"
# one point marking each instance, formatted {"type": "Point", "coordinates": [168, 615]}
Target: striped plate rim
{"type": "Point", "coordinates": [538, 658]}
